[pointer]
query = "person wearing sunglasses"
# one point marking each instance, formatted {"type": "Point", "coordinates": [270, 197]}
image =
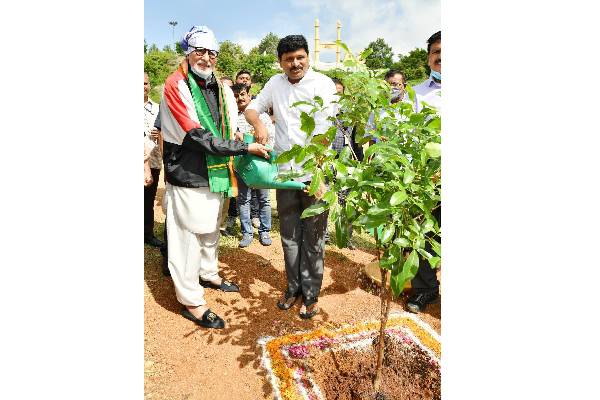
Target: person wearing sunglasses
{"type": "Point", "coordinates": [198, 121]}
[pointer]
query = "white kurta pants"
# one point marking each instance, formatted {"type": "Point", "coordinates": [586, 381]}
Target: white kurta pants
{"type": "Point", "coordinates": [192, 226]}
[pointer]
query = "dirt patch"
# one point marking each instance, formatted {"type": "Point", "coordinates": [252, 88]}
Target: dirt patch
{"type": "Point", "coordinates": [347, 374]}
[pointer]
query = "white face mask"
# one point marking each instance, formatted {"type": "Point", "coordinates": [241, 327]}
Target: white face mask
{"type": "Point", "coordinates": [204, 74]}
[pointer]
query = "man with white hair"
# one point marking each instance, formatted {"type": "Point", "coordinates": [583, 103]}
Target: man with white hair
{"type": "Point", "coordinates": [198, 120]}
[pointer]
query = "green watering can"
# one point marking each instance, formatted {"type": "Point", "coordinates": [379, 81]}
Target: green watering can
{"type": "Point", "coordinates": [259, 173]}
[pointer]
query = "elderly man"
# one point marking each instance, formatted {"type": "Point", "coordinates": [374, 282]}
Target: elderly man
{"type": "Point", "coordinates": [302, 239]}
{"type": "Point", "coordinates": [425, 283]}
{"type": "Point", "coordinates": [198, 120]}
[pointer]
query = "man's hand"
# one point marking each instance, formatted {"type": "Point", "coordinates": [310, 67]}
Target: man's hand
{"type": "Point", "coordinates": [258, 149]}
{"type": "Point", "coordinates": [260, 133]}
{"type": "Point", "coordinates": [155, 134]}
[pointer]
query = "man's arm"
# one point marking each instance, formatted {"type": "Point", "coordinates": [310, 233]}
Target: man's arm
{"type": "Point", "coordinates": [260, 130]}
{"type": "Point", "coordinates": [259, 105]}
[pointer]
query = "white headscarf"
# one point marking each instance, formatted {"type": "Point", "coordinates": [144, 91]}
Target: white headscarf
{"type": "Point", "coordinates": [199, 36]}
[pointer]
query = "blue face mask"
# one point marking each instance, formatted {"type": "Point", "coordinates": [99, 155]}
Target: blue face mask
{"type": "Point", "coordinates": [436, 75]}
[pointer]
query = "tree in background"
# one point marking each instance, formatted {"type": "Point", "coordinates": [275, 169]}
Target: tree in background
{"type": "Point", "coordinates": [230, 58]}
{"type": "Point", "coordinates": [159, 64]}
{"type": "Point", "coordinates": [269, 44]}
{"type": "Point", "coordinates": [381, 55]}
{"type": "Point", "coordinates": [261, 65]}
{"type": "Point", "coordinates": [414, 65]}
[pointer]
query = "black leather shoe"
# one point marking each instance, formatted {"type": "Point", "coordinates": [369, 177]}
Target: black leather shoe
{"type": "Point", "coordinates": [418, 301]}
{"type": "Point", "coordinates": [287, 301]}
{"type": "Point", "coordinates": [311, 308]}
{"type": "Point", "coordinates": [209, 319]}
{"type": "Point", "coordinates": [153, 241]}
{"type": "Point", "coordinates": [225, 286]}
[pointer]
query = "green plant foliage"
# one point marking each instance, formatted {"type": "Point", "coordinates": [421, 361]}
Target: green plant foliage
{"type": "Point", "coordinates": [268, 45]}
{"type": "Point", "coordinates": [380, 55]}
{"type": "Point", "coordinates": [159, 64]}
{"type": "Point", "coordinates": [413, 65]}
{"type": "Point", "coordinates": [230, 57]}
{"type": "Point", "coordinates": [395, 188]}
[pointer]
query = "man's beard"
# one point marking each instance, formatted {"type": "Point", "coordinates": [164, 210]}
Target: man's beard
{"type": "Point", "coordinates": [204, 74]}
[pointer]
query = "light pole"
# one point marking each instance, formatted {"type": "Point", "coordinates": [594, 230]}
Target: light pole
{"type": "Point", "coordinates": [173, 24]}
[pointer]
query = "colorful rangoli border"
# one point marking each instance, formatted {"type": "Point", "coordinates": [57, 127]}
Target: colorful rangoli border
{"type": "Point", "coordinates": [282, 356]}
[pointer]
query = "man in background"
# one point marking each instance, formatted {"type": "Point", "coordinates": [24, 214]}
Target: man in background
{"type": "Point", "coordinates": [242, 97]}
{"type": "Point", "coordinates": [425, 284]}
{"type": "Point", "coordinates": [151, 133]}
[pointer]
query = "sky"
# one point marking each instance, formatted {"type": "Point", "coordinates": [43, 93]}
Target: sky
{"type": "Point", "coordinates": [404, 24]}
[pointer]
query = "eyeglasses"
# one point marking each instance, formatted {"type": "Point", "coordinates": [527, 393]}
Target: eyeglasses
{"type": "Point", "coordinates": [200, 51]}
{"type": "Point", "coordinates": [397, 84]}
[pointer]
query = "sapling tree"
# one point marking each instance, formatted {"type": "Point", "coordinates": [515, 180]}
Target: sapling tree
{"type": "Point", "coordinates": [392, 191]}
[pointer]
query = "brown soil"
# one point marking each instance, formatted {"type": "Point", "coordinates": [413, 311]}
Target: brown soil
{"type": "Point", "coordinates": [347, 374]}
{"type": "Point", "coordinates": [184, 361]}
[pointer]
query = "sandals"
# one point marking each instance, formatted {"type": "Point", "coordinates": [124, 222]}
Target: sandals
{"type": "Point", "coordinates": [287, 301]}
{"type": "Point", "coordinates": [311, 308]}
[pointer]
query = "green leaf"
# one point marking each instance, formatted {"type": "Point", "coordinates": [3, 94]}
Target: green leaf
{"type": "Point", "coordinates": [425, 254]}
{"type": "Point", "coordinates": [319, 100]}
{"type": "Point", "coordinates": [315, 183]}
{"type": "Point", "coordinates": [398, 197]}
{"type": "Point", "coordinates": [300, 156]}
{"type": "Point", "coordinates": [434, 150]}
{"type": "Point", "coordinates": [315, 209]}
{"type": "Point", "coordinates": [402, 242]}
{"type": "Point", "coordinates": [435, 123]}
{"type": "Point", "coordinates": [307, 123]}
{"type": "Point", "coordinates": [435, 262]}
{"type": "Point", "coordinates": [388, 233]}
{"type": "Point", "coordinates": [303, 102]}
{"type": "Point", "coordinates": [365, 53]}
{"type": "Point", "coordinates": [287, 156]}
{"type": "Point", "coordinates": [409, 175]}
{"type": "Point", "coordinates": [369, 221]}
{"type": "Point", "coordinates": [379, 211]}
{"type": "Point", "coordinates": [330, 197]}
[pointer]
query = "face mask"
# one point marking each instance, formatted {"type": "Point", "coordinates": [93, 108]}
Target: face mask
{"type": "Point", "coordinates": [436, 75]}
{"type": "Point", "coordinates": [204, 74]}
{"type": "Point", "coordinates": [396, 94]}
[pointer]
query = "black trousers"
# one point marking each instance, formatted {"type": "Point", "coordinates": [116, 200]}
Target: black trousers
{"type": "Point", "coordinates": [426, 280]}
{"type": "Point", "coordinates": [303, 242]}
{"type": "Point", "coordinates": [232, 211]}
{"type": "Point", "coordinates": [149, 195]}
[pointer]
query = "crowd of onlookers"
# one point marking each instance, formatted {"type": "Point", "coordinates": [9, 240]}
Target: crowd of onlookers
{"type": "Point", "coordinates": [202, 123]}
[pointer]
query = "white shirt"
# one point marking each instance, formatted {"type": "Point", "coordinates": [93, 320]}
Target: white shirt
{"type": "Point", "coordinates": [280, 94]}
{"type": "Point", "coordinates": [150, 112]}
{"type": "Point", "coordinates": [429, 92]}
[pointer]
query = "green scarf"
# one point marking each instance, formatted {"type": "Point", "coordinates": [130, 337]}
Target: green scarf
{"type": "Point", "coordinates": [218, 167]}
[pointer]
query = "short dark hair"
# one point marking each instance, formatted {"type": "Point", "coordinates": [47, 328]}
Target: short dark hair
{"type": "Point", "coordinates": [393, 72]}
{"type": "Point", "coordinates": [336, 81]}
{"type": "Point", "coordinates": [291, 43]}
{"type": "Point", "coordinates": [239, 87]}
{"type": "Point", "coordinates": [244, 71]}
{"type": "Point", "coordinates": [436, 37]}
